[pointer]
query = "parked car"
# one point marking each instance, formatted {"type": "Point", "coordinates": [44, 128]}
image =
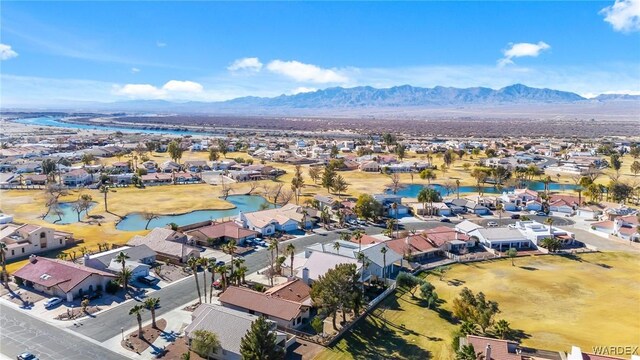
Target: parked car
{"type": "Point", "coordinates": [444, 219]}
{"type": "Point", "coordinates": [512, 226]}
{"type": "Point", "coordinates": [492, 224]}
{"type": "Point", "coordinates": [52, 302]}
{"type": "Point", "coordinates": [220, 263]}
{"type": "Point", "coordinates": [27, 356]}
{"type": "Point", "coordinates": [148, 280]}
{"type": "Point", "coordinates": [249, 242]}
{"type": "Point", "coordinates": [515, 216]}
{"type": "Point", "coordinates": [93, 296]}
{"type": "Point", "coordinates": [541, 213]}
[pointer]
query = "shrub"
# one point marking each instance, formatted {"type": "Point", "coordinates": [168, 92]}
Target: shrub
{"type": "Point", "coordinates": [317, 324]}
{"type": "Point", "coordinates": [112, 287]}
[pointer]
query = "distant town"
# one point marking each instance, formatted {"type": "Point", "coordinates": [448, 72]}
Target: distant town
{"type": "Point", "coordinates": [124, 238]}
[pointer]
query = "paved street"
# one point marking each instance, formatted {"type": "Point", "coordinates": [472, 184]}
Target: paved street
{"type": "Point", "coordinates": [107, 324]}
{"type": "Point", "coordinates": [20, 332]}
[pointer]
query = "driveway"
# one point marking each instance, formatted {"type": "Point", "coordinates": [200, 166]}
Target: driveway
{"type": "Point", "coordinates": [601, 243]}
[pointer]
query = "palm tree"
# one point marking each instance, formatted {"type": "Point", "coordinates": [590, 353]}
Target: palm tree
{"type": "Point", "coordinates": [104, 189]}
{"type": "Point", "coordinates": [336, 247]}
{"type": "Point", "coordinates": [211, 266]}
{"type": "Point", "coordinates": [121, 258]}
{"type": "Point", "coordinates": [272, 246]}
{"type": "Point", "coordinates": [240, 274]}
{"type": "Point", "coordinates": [458, 188]}
{"type": "Point", "coordinates": [502, 329]}
{"type": "Point", "coordinates": [549, 221]}
{"type": "Point", "coordinates": [357, 234]}
{"type": "Point", "coordinates": [394, 206]}
{"type": "Point", "coordinates": [384, 262]}
{"type": "Point", "coordinates": [466, 352]}
{"type": "Point", "coordinates": [3, 259]}
{"type": "Point", "coordinates": [468, 328]}
{"type": "Point", "coordinates": [125, 276]}
{"type": "Point", "coordinates": [230, 248]}
{"type": "Point", "coordinates": [151, 304]}
{"type": "Point", "coordinates": [222, 270]}
{"type": "Point", "coordinates": [291, 250]}
{"type": "Point", "coordinates": [512, 253]}
{"type": "Point", "coordinates": [500, 210]}
{"type": "Point", "coordinates": [203, 263]}
{"type": "Point", "coordinates": [428, 195]}
{"type": "Point", "coordinates": [237, 263]}
{"type": "Point", "coordinates": [193, 264]}
{"type": "Point", "coordinates": [137, 311]}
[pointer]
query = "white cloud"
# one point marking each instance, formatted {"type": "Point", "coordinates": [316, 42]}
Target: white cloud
{"type": "Point", "coordinates": [6, 52]}
{"type": "Point", "coordinates": [302, 89]}
{"type": "Point", "coordinates": [522, 49]}
{"type": "Point", "coordinates": [173, 89]}
{"type": "Point", "coordinates": [251, 64]}
{"type": "Point", "coordinates": [160, 44]}
{"type": "Point", "coordinates": [135, 70]}
{"type": "Point", "coordinates": [623, 15]}
{"type": "Point", "coordinates": [182, 86]}
{"type": "Point", "coordinates": [306, 72]}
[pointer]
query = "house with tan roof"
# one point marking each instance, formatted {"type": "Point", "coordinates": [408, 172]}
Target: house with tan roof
{"type": "Point", "coordinates": [169, 245]}
{"type": "Point", "coordinates": [27, 239]}
{"type": "Point", "coordinates": [77, 177]}
{"type": "Point", "coordinates": [60, 278]}
{"type": "Point", "coordinates": [285, 219]}
{"type": "Point", "coordinates": [221, 232]}
{"type": "Point", "coordinates": [286, 313]}
{"type": "Point", "coordinates": [496, 349]}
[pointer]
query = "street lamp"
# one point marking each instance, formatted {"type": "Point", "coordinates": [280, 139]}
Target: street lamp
{"type": "Point", "coordinates": [122, 332]}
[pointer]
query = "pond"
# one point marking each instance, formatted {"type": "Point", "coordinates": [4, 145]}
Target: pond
{"type": "Point", "coordinates": [69, 216]}
{"type": "Point", "coordinates": [412, 190]}
{"type": "Point", "coordinates": [244, 203]}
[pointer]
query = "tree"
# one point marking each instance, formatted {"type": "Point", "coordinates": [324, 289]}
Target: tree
{"type": "Point", "coordinates": [291, 250]}
{"type": "Point", "coordinates": [315, 173]}
{"type": "Point", "coordinates": [395, 182]}
{"type": "Point", "coordinates": [204, 342]}
{"type": "Point", "coordinates": [124, 276]}
{"type": "Point", "coordinates": [440, 271]}
{"type": "Point", "coordinates": [428, 195]}
{"type": "Point", "coordinates": [137, 311]}
{"type": "Point", "coordinates": [85, 304]}
{"type": "Point", "coordinates": [203, 262]}
{"type": "Point", "coordinates": [193, 264]}
{"type": "Point", "coordinates": [428, 294]}
{"type": "Point", "coordinates": [615, 162]}
{"type": "Point", "coordinates": [428, 174]}
{"type": "Point", "coordinates": [635, 168]}
{"type": "Point", "coordinates": [512, 253]}
{"type": "Point", "coordinates": [367, 207]}
{"type": "Point", "coordinates": [175, 151]}
{"type": "Point", "coordinates": [475, 309]}
{"type": "Point", "coordinates": [620, 192]}
{"type": "Point", "coordinates": [551, 244]}
{"type": "Point", "coordinates": [49, 169]}
{"type": "Point", "coordinates": [317, 324]}
{"type": "Point", "coordinates": [223, 148]}
{"type": "Point", "coordinates": [466, 352]}
{"type": "Point", "coordinates": [151, 304]}
{"type": "Point", "coordinates": [339, 185]}
{"type": "Point", "coordinates": [82, 204]}
{"type": "Point", "coordinates": [408, 281]}
{"type": "Point", "coordinates": [87, 159]}
{"type": "Point", "coordinates": [297, 183]}
{"type": "Point", "coordinates": [337, 289]}
{"type": "Point", "coordinates": [357, 234]}
{"type": "Point", "coordinates": [104, 190]}
{"type": "Point", "coordinates": [121, 259]}
{"type": "Point", "coordinates": [149, 216]}
{"type": "Point", "coordinates": [259, 343]}
{"type": "Point", "coordinates": [3, 259]}
{"type": "Point", "coordinates": [213, 154]}
{"type": "Point", "coordinates": [328, 177]}
{"type": "Point", "coordinates": [383, 251]}
{"type": "Point", "coordinates": [502, 329]}
{"type": "Point", "coordinates": [401, 151]}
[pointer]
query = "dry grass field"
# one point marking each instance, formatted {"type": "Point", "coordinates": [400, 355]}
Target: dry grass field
{"type": "Point", "coordinates": [556, 301]}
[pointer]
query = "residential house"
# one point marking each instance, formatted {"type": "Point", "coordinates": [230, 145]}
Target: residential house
{"type": "Point", "coordinates": [370, 166]}
{"type": "Point", "coordinates": [221, 232]}
{"type": "Point", "coordinates": [169, 166]}
{"type": "Point", "coordinates": [230, 326]}
{"type": "Point", "coordinates": [156, 179]}
{"type": "Point", "coordinates": [466, 227]}
{"type": "Point", "coordinates": [196, 165]}
{"type": "Point", "coordinates": [36, 179]}
{"type": "Point", "coordinates": [502, 239]}
{"type": "Point", "coordinates": [623, 227]}
{"type": "Point", "coordinates": [286, 219]}
{"type": "Point", "coordinates": [169, 245]}
{"type": "Point", "coordinates": [317, 264]}
{"type": "Point", "coordinates": [120, 167]}
{"type": "Point", "coordinates": [496, 349]}
{"type": "Point", "coordinates": [286, 313]}
{"type": "Point", "coordinates": [77, 177]}
{"type": "Point", "coordinates": [64, 279]}
{"type": "Point", "coordinates": [28, 239]}
{"type": "Point", "coordinates": [140, 254]}
{"type": "Point", "coordinates": [389, 201]}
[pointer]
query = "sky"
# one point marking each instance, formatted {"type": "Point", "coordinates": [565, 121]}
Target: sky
{"type": "Point", "coordinates": [53, 52]}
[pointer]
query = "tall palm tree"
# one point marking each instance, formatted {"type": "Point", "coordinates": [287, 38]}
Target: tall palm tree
{"type": "Point", "coordinates": [384, 262]}
{"type": "Point", "coordinates": [500, 209]}
{"type": "Point", "coordinates": [549, 221]}
{"type": "Point", "coordinates": [272, 247]}
{"type": "Point", "coordinates": [151, 304]}
{"type": "Point", "coordinates": [458, 188]}
{"type": "Point", "coordinates": [428, 195]}
{"type": "Point", "coordinates": [211, 266]}
{"type": "Point", "coordinates": [3, 259]}
{"type": "Point", "coordinates": [137, 311]}
{"type": "Point", "coordinates": [222, 269]}
{"type": "Point", "coordinates": [104, 189]}
{"type": "Point", "coordinates": [357, 234]}
{"type": "Point", "coordinates": [121, 258]}
{"type": "Point", "coordinates": [240, 274]}
{"type": "Point", "coordinates": [125, 276]}
{"type": "Point", "coordinates": [502, 329]}
{"type": "Point", "coordinates": [193, 264]}
{"type": "Point", "coordinates": [230, 248]}
{"type": "Point", "coordinates": [394, 206]}
{"type": "Point", "coordinates": [203, 263]}
{"type": "Point", "coordinates": [291, 250]}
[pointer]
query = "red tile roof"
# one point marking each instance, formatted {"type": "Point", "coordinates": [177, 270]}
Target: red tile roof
{"type": "Point", "coordinates": [225, 229]}
{"type": "Point", "coordinates": [53, 272]}
{"type": "Point", "coordinates": [294, 290]}
{"type": "Point", "coordinates": [413, 244]}
{"type": "Point", "coordinates": [442, 234]}
{"type": "Point", "coordinates": [499, 348]}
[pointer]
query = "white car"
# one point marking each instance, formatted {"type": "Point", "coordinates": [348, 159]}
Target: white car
{"type": "Point", "coordinates": [52, 302]}
{"type": "Point", "coordinates": [512, 226]}
{"type": "Point", "coordinates": [492, 224]}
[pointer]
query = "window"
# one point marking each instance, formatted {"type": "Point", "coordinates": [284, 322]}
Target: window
{"type": "Point", "coordinates": [23, 250]}
{"type": "Point", "coordinates": [60, 241]}
{"type": "Point", "coordinates": [13, 252]}
{"type": "Point", "coordinates": [43, 235]}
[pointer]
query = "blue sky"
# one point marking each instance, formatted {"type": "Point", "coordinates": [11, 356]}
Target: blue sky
{"type": "Point", "coordinates": [110, 51]}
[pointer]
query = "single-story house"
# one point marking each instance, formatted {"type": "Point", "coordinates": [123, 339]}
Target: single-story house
{"type": "Point", "coordinates": [221, 232]}
{"type": "Point", "coordinates": [287, 218]}
{"type": "Point", "coordinates": [64, 279]}
{"type": "Point", "coordinates": [141, 254]}
{"type": "Point", "coordinates": [502, 239]}
{"type": "Point", "coordinates": [168, 244]}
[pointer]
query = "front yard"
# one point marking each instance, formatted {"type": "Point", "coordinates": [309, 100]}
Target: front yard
{"type": "Point", "coordinates": [586, 300]}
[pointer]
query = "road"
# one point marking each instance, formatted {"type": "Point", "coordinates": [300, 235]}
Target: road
{"type": "Point", "coordinates": [506, 220]}
{"type": "Point", "coordinates": [107, 324]}
{"type": "Point", "coordinates": [20, 332]}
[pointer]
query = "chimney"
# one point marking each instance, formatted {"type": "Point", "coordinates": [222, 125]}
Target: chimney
{"type": "Point", "coordinates": [305, 275]}
{"type": "Point", "coordinates": [456, 234]}
{"type": "Point", "coordinates": [487, 352]}
{"type": "Point", "coordinates": [33, 259]}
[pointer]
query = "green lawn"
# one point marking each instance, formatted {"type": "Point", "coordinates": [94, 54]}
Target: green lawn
{"type": "Point", "coordinates": [555, 301]}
